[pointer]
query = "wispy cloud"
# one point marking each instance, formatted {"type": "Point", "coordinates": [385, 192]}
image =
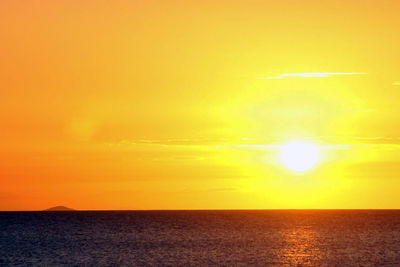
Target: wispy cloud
{"type": "Point", "coordinates": [312, 75]}
{"type": "Point", "coordinates": [249, 143]}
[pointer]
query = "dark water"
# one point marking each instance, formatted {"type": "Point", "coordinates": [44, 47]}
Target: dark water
{"type": "Point", "coordinates": [200, 238]}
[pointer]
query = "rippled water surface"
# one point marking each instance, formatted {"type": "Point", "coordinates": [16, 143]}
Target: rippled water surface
{"type": "Point", "coordinates": [200, 238]}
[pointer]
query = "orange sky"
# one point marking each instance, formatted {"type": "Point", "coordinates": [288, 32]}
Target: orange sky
{"type": "Point", "coordinates": [185, 104]}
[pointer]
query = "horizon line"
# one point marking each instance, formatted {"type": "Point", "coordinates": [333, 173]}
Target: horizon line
{"type": "Point", "coordinates": [271, 209]}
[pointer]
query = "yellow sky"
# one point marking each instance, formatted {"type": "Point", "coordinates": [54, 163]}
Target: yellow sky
{"type": "Point", "coordinates": [186, 104]}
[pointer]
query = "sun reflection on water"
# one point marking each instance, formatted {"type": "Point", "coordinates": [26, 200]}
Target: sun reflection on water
{"type": "Point", "coordinates": [300, 247]}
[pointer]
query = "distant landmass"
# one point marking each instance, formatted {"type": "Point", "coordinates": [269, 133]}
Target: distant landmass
{"type": "Point", "coordinates": [59, 208]}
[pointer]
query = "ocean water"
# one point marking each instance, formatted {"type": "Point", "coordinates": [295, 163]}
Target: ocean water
{"type": "Point", "coordinates": [201, 238]}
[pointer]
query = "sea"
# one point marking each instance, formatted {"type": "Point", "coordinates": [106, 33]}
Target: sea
{"type": "Point", "coordinates": [201, 238]}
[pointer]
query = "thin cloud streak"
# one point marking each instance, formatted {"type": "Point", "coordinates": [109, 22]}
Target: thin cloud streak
{"type": "Point", "coordinates": [311, 75]}
{"type": "Point", "coordinates": [253, 143]}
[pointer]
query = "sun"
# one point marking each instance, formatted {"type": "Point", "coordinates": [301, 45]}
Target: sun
{"type": "Point", "coordinates": [299, 156]}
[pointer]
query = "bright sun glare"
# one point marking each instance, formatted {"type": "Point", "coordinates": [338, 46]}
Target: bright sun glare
{"type": "Point", "coordinates": [299, 156]}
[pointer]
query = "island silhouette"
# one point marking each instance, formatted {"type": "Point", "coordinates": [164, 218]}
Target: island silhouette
{"type": "Point", "coordinates": [59, 208]}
